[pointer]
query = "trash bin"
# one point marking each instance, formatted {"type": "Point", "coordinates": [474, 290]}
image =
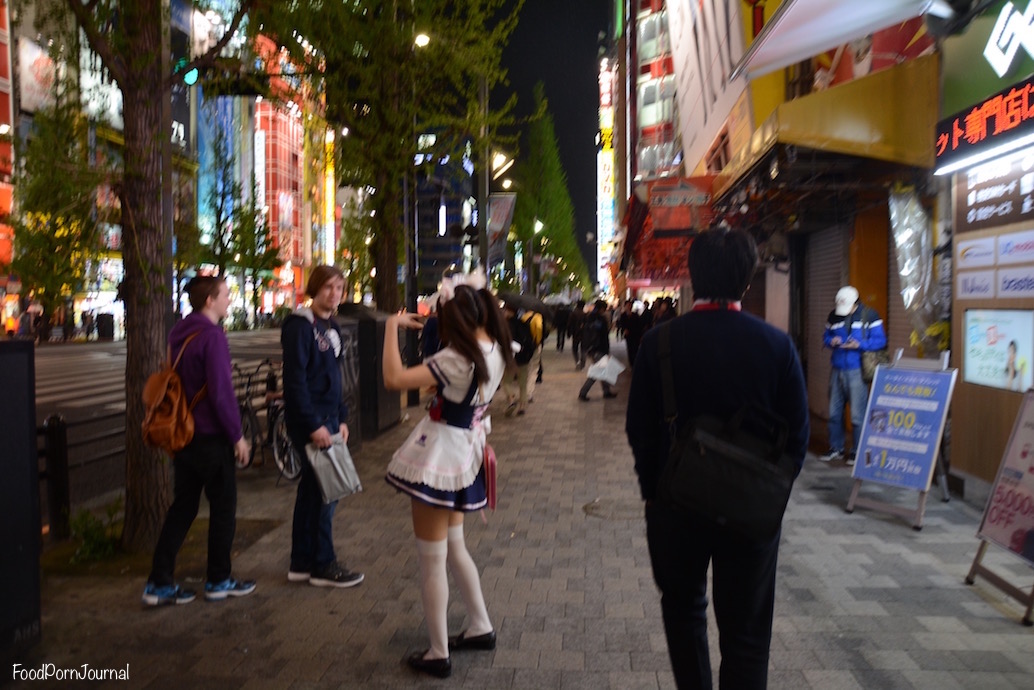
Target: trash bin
{"type": "Point", "coordinates": [350, 378]}
{"type": "Point", "coordinates": [379, 408]}
{"type": "Point", "coordinates": [19, 494]}
{"type": "Point", "coordinates": [105, 326]}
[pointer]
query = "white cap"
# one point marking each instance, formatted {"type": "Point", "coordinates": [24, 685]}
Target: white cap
{"type": "Point", "coordinates": [847, 297]}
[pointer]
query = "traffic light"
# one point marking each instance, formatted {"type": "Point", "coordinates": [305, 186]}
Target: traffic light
{"type": "Point", "coordinates": [190, 76]}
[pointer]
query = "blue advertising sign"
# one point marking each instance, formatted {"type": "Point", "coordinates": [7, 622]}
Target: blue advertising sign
{"type": "Point", "coordinates": [901, 433]}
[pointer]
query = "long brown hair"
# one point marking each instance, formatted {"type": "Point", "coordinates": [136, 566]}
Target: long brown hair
{"type": "Point", "coordinates": [460, 317]}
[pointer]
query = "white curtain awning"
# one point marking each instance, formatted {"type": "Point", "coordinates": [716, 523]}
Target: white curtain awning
{"type": "Point", "coordinates": [801, 29]}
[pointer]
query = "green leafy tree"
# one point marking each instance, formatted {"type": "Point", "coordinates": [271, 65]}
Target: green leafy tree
{"type": "Point", "coordinates": [126, 38]}
{"type": "Point", "coordinates": [55, 223]}
{"type": "Point", "coordinates": [354, 248]}
{"type": "Point", "coordinates": [253, 248]}
{"type": "Point", "coordinates": [223, 201]}
{"type": "Point", "coordinates": [188, 251]}
{"type": "Point", "coordinates": [384, 90]}
{"type": "Point", "coordinates": [542, 195]}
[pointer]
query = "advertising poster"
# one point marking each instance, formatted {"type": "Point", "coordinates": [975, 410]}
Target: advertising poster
{"type": "Point", "coordinates": [901, 433]}
{"type": "Point", "coordinates": [1009, 516]}
{"type": "Point", "coordinates": [998, 348]}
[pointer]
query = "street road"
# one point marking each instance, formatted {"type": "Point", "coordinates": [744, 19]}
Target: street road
{"type": "Point", "coordinates": [81, 380]}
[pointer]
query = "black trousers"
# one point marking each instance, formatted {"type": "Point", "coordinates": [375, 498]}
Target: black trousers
{"type": "Point", "coordinates": [743, 585]}
{"type": "Point", "coordinates": [206, 464]}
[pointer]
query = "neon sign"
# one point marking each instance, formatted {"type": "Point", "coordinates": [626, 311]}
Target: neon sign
{"type": "Point", "coordinates": [1002, 119]}
{"type": "Point", "coordinates": [1011, 31]}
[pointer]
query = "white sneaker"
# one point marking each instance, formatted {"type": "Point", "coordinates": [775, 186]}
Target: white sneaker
{"type": "Point", "coordinates": [831, 456]}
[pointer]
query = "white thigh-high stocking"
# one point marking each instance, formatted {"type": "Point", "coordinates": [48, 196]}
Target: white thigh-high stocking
{"type": "Point", "coordinates": [434, 590]}
{"type": "Point", "coordinates": [466, 574]}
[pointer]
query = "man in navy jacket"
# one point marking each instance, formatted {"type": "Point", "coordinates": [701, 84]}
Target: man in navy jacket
{"type": "Point", "coordinates": [721, 359]}
{"type": "Point", "coordinates": [314, 409]}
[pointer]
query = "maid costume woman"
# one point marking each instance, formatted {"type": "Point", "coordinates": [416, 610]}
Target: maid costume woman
{"type": "Point", "coordinates": [442, 461]}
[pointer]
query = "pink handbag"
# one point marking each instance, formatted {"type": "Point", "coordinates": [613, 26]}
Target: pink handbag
{"type": "Point", "coordinates": [490, 471]}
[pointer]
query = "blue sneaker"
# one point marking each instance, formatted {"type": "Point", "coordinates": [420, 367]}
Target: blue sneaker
{"type": "Point", "coordinates": [228, 588]}
{"type": "Point", "coordinates": [155, 595]}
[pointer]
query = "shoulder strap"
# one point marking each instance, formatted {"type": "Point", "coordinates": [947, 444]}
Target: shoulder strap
{"type": "Point", "coordinates": [667, 383]}
{"type": "Point", "coordinates": [204, 388]}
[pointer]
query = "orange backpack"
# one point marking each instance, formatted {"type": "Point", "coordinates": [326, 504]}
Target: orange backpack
{"type": "Point", "coordinates": [168, 420]}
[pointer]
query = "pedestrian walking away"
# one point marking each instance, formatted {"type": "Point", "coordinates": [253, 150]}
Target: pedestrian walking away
{"type": "Point", "coordinates": [210, 461]}
{"type": "Point", "coordinates": [596, 344]}
{"type": "Point", "coordinates": [574, 328]}
{"type": "Point", "coordinates": [851, 329]}
{"type": "Point", "coordinates": [314, 410]}
{"type": "Point", "coordinates": [721, 359]}
{"type": "Point", "coordinates": [441, 465]}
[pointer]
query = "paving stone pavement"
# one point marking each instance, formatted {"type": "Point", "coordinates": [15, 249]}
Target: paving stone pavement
{"type": "Point", "coordinates": [863, 600]}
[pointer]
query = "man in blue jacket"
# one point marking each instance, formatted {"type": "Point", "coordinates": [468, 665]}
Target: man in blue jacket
{"type": "Point", "coordinates": [314, 409]}
{"type": "Point", "coordinates": [721, 359]}
{"type": "Point", "coordinates": [851, 329]}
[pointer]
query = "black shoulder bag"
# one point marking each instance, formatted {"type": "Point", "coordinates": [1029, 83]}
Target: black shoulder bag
{"type": "Point", "coordinates": [734, 471]}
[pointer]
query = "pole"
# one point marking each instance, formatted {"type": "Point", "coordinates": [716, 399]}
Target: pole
{"type": "Point", "coordinates": [485, 178]}
{"type": "Point", "coordinates": [412, 259]}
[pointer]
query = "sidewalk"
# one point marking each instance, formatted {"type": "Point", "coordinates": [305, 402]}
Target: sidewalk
{"type": "Point", "coordinates": [863, 600]}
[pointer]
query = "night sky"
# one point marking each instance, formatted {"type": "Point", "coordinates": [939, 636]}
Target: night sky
{"type": "Point", "coordinates": [556, 43]}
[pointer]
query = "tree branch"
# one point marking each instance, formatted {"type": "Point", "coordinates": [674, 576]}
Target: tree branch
{"type": "Point", "coordinates": [98, 43]}
{"type": "Point", "coordinates": [208, 59]}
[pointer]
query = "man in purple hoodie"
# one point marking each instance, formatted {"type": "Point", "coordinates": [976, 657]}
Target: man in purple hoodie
{"type": "Point", "coordinates": [210, 460]}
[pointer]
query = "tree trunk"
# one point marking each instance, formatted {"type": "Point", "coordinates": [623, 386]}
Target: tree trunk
{"type": "Point", "coordinates": [143, 254]}
{"type": "Point", "coordinates": [385, 248]}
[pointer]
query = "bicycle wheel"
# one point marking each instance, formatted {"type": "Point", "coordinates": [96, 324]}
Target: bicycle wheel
{"type": "Point", "coordinates": [250, 432]}
{"type": "Point", "coordinates": [284, 455]}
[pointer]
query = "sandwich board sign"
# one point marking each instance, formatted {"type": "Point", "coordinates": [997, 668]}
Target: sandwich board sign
{"type": "Point", "coordinates": [1008, 519]}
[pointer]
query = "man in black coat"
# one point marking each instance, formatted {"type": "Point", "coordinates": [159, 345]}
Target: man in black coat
{"type": "Point", "coordinates": [596, 344]}
{"type": "Point", "coordinates": [721, 358]}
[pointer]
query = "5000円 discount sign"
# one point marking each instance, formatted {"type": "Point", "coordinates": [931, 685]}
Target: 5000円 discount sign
{"type": "Point", "coordinates": [1009, 515]}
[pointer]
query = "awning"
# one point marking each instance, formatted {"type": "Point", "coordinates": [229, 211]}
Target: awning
{"type": "Point", "coordinates": [889, 116]}
{"type": "Point", "coordinates": [801, 29]}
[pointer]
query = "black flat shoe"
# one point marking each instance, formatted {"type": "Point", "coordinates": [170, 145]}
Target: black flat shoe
{"type": "Point", "coordinates": [484, 642]}
{"type": "Point", "coordinates": [439, 668]}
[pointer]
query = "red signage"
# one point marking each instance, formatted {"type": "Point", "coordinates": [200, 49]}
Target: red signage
{"type": "Point", "coordinates": [1001, 118]}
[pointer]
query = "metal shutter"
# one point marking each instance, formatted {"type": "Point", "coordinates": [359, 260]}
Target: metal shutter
{"type": "Point", "coordinates": [826, 271]}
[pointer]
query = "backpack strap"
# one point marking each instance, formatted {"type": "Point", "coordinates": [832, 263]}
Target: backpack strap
{"type": "Point", "coordinates": [204, 388]}
{"type": "Point", "coordinates": [667, 383]}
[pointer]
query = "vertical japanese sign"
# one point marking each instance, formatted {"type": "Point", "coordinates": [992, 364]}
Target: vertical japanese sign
{"type": "Point", "coordinates": [500, 217]}
{"type": "Point", "coordinates": [901, 432]}
{"type": "Point", "coordinates": [1009, 515]}
{"type": "Point", "coordinates": [606, 212]}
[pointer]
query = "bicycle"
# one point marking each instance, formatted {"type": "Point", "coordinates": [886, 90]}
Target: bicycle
{"type": "Point", "coordinates": [249, 418]}
{"type": "Point", "coordinates": [285, 456]}
{"type": "Point", "coordinates": [286, 459]}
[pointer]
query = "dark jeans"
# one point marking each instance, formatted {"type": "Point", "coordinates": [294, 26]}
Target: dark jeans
{"type": "Point", "coordinates": [561, 334]}
{"type": "Point", "coordinates": [743, 586]}
{"type": "Point", "coordinates": [207, 464]}
{"type": "Point", "coordinates": [595, 357]}
{"type": "Point", "coordinates": [576, 350]}
{"type": "Point", "coordinates": [312, 538]}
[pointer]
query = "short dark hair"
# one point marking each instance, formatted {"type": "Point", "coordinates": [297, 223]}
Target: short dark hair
{"type": "Point", "coordinates": [200, 288]}
{"type": "Point", "coordinates": [721, 264]}
{"type": "Point", "coordinates": [319, 276]}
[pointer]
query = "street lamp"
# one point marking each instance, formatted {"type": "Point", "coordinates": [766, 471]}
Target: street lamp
{"type": "Point", "coordinates": [532, 242]}
{"type": "Point", "coordinates": [421, 40]}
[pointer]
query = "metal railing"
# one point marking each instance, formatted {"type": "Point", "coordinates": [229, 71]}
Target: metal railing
{"type": "Point", "coordinates": [57, 469]}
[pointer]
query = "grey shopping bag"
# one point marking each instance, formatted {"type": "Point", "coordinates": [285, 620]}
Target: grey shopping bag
{"type": "Point", "coordinates": [334, 469]}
